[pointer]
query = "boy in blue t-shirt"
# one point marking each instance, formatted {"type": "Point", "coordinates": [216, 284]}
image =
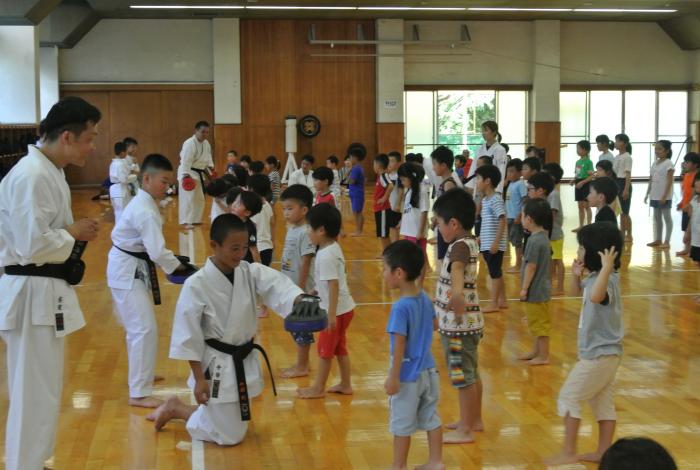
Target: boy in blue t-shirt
{"type": "Point", "coordinates": [356, 189]}
{"type": "Point", "coordinates": [516, 193]}
{"type": "Point", "coordinates": [413, 382]}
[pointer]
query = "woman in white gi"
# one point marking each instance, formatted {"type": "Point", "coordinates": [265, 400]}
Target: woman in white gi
{"type": "Point", "coordinates": [195, 161]}
{"type": "Point", "coordinates": [491, 148]}
{"type": "Point", "coordinates": [219, 302]}
{"type": "Point", "coordinates": [37, 308]}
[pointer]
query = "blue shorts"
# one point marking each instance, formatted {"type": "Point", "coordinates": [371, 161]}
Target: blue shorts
{"type": "Point", "coordinates": [414, 407]}
{"type": "Point", "coordinates": [357, 200]}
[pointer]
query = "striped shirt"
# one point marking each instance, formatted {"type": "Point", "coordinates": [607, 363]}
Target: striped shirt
{"type": "Point", "coordinates": [492, 209]}
{"type": "Point", "coordinates": [274, 177]}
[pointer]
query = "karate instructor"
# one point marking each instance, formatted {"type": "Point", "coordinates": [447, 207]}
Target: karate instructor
{"type": "Point", "coordinates": [195, 162]}
{"type": "Point", "coordinates": [40, 249]}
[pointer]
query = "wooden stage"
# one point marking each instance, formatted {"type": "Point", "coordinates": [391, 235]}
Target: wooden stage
{"type": "Point", "coordinates": [657, 392]}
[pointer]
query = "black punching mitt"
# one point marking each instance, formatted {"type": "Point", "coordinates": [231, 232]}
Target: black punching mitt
{"type": "Point", "coordinates": [180, 276]}
{"type": "Point", "coordinates": [307, 316]}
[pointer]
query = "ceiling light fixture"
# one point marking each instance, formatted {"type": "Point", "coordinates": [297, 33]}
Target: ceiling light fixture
{"type": "Point", "coordinates": [520, 9]}
{"type": "Point", "coordinates": [291, 7]}
{"type": "Point", "coordinates": [413, 8]}
{"type": "Point", "coordinates": [187, 7]}
{"type": "Point", "coordinates": [620, 10]}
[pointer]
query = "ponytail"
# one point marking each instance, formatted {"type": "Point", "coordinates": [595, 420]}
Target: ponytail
{"type": "Point", "coordinates": [415, 173]}
{"type": "Point", "coordinates": [626, 140]}
{"type": "Point", "coordinates": [666, 144]}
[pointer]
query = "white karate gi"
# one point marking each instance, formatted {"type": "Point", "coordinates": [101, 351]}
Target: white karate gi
{"type": "Point", "coordinates": [218, 207]}
{"type": "Point", "coordinates": [194, 154]}
{"type": "Point", "coordinates": [209, 307]}
{"type": "Point", "coordinates": [140, 229]}
{"type": "Point", "coordinates": [120, 193]}
{"type": "Point", "coordinates": [35, 206]}
{"type": "Point", "coordinates": [500, 160]}
{"type": "Point", "coordinates": [298, 177]}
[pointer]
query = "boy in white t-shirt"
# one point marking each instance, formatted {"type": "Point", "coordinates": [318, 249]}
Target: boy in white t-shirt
{"type": "Point", "coordinates": [331, 283]}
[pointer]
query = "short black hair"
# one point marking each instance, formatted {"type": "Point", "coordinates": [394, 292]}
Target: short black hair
{"type": "Point", "coordinates": [299, 193]}
{"type": "Point", "coordinates": [119, 147]}
{"type": "Point", "coordinates": [414, 158]}
{"type": "Point", "coordinates": [70, 114]}
{"type": "Point", "coordinates": [692, 157]}
{"type": "Point", "coordinates": [443, 155]}
{"type": "Point", "coordinates": [251, 201]}
{"type": "Point", "coordinates": [323, 173]}
{"type": "Point", "coordinates": [272, 160]}
{"type": "Point", "coordinates": [488, 159]}
{"type": "Point", "coordinates": [539, 211]}
{"type": "Point", "coordinates": [327, 216]}
{"type": "Point", "coordinates": [637, 453]}
{"type": "Point", "coordinates": [153, 163]}
{"type": "Point", "coordinates": [542, 180]}
{"type": "Point", "coordinates": [201, 124]}
{"type": "Point", "coordinates": [233, 152]}
{"type": "Point", "coordinates": [130, 141]}
{"type": "Point", "coordinates": [533, 163]}
{"type": "Point", "coordinates": [357, 150]}
{"type": "Point", "coordinates": [606, 166]}
{"type": "Point", "coordinates": [231, 179]}
{"type": "Point", "coordinates": [383, 160]}
{"type": "Point", "coordinates": [260, 185]}
{"type": "Point", "coordinates": [461, 158]}
{"type": "Point", "coordinates": [257, 166]}
{"type": "Point", "coordinates": [457, 204]}
{"type": "Point", "coordinates": [405, 255]}
{"type": "Point", "coordinates": [333, 159]}
{"type": "Point", "coordinates": [595, 238]}
{"type": "Point", "coordinates": [308, 158]}
{"type": "Point", "coordinates": [515, 163]}
{"type": "Point", "coordinates": [489, 172]}
{"type": "Point", "coordinates": [395, 155]}
{"type": "Point", "coordinates": [219, 187]}
{"type": "Point", "coordinates": [247, 159]}
{"type": "Point", "coordinates": [232, 194]}
{"type": "Point", "coordinates": [225, 224]}
{"type": "Point", "coordinates": [554, 170]}
{"type": "Point", "coordinates": [607, 187]}
{"type": "Point", "coordinates": [241, 175]}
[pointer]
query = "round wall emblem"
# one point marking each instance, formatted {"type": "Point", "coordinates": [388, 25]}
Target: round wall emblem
{"type": "Point", "coordinates": [309, 125]}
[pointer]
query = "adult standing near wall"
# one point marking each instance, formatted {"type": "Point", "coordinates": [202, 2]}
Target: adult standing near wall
{"type": "Point", "coordinates": [492, 148]}
{"type": "Point", "coordinates": [40, 247]}
{"type": "Point", "coordinates": [195, 161]}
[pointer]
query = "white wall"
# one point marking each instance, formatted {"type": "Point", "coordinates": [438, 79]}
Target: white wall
{"type": "Point", "coordinates": [141, 51]}
{"type": "Point", "coordinates": [19, 75]}
{"type": "Point", "coordinates": [48, 78]}
{"type": "Point", "coordinates": [227, 71]}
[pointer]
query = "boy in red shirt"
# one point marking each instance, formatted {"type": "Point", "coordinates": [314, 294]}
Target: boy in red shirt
{"type": "Point", "coordinates": [383, 215]}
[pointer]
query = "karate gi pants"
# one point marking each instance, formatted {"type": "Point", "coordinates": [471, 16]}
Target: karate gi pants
{"type": "Point", "coordinates": [191, 203]}
{"type": "Point", "coordinates": [118, 207]}
{"type": "Point", "coordinates": [135, 311]}
{"type": "Point", "coordinates": [218, 422]}
{"type": "Point", "coordinates": [35, 382]}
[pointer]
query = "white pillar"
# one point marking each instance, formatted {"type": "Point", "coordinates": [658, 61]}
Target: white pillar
{"type": "Point", "coordinates": [694, 109]}
{"type": "Point", "coordinates": [390, 74]}
{"type": "Point", "coordinates": [227, 71]}
{"type": "Point", "coordinates": [48, 78]}
{"type": "Point", "coordinates": [546, 82]}
{"type": "Point", "coordinates": [19, 79]}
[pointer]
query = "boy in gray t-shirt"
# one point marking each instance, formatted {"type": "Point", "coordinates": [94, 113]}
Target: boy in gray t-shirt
{"type": "Point", "coordinates": [557, 235]}
{"type": "Point", "coordinates": [535, 279]}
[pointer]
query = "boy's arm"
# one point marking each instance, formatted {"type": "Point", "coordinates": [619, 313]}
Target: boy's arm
{"type": "Point", "coordinates": [457, 279]}
{"type": "Point", "coordinates": [304, 271]}
{"type": "Point", "coordinates": [599, 291]}
{"type": "Point", "coordinates": [628, 183]}
{"type": "Point", "coordinates": [449, 185]}
{"type": "Point", "coordinates": [201, 386]}
{"type": "Point", "coordinates": [530, 269]}
{"type": "Point", "coordinates": [276, 290]}
{"type": "Point", "coordinates": [669, 186]}
{"type": "Point", "coordinates": [255, 254]}
{"type": "Point", "coordinates": [333, 289]}
{"type": "Point", "coordinates": [576, 273]}
{"type": "Point", "coordinates": [502, 224]}
{"type": "Point", "coordinates": [153, 241]}
{"type": "Point", "coordinates": [389, 189]}
{"type": "Point", "coordinates": [393, 381]}
{"type": "Point", "coordinates": [422, 225]}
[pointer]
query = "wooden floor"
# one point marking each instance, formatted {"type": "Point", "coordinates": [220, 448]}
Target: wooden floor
{"type": "Point", "coordinates": [657, 393]}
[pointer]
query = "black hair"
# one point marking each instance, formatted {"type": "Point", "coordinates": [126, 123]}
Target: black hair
{"type": "Point", "coordinates": [636, 453]}
{"type": "Point", "coordinates": [327, 216]}
{"type": "Point", "coordinates": [232, 194]}
{"type": "Point", "coordinates": [607, 167]}
{"type": "Point", "coordinates": [130, 141]}
{"type": "Point", "coordinates": [666, 144]}
{"type": "Point", "coordinates": [246, 158]}
{"type": "Point", "coordinates": [542, 180]}
{"type": "Point", "coordinates": [487, 159]}
{"type": "Point", "coordinates": [493, 127]}
{"type": "Point", "coordinates": [515, 163]}
{"type": "Point", "coordinates": [626, 140]}
{"type": "Point", "coordinates": [347, 157]}
{"type": "Point", "coordinates": [539, 211]}
{"type": "Point", "coordinates": [225, 224]}
{"type": "Point", "coordinates": [405, 255]}
{"type": "Point", "coordinates": [506, 147]}
{"type": "Point", "coordinates": [323, 173]}
{"type": "Point", "coordinates": [607, 187]}
{"type": "Point", "coordinates": [489, 172]}
{"type": "Point", "coordinates": [256, 166]}
{"type": "Point", "coordinates": [395, 154]}
{"type": "Point", "coordinates": [457, 204]}
{"type": "Point", "coordinates": [585, 145]}
{"type": "Point", "coordinates": [260, 185]}
{"type": "Point", "coordinates": [233, 152]}
{"type": "Point", "coordinates": [231, 179]}
{"type": "Point", "coordinates": [595, 238]}
{"type": "Point", "coordinates": [308, 158]}
{"type": "Point", "coordinates": [153, 163]}
{"type": "Point", "coordinates": [299, 193]}
{"type": "Point", "coordinates": [443, 155]}
{"type": "Point", "coordinates": [414, 158]}
{"type": "Point", "coordinates": [554, 170]}
{"type": "Point", "coordinates": [219, 187]}
{"type": "Point", "coordinates": [272, 161]}
{"type": "Point", "coordinates": [201, 124]}
{"type": "Point", "coordinates": [383, 160]}
{"type": "Point", "coordinates": [531, 148]}
{"type": "Point", "coordinates": [357, 150]}
{"type": "Point", "coordinates": [692, 157]}
{"type": "Point", "coordinates": [333, 159]}
{"type": "Point", "coordinates": [533, 162]}
{"type": "Point", "coordinates": [415, 173]}
{"type": "Point", "coordinates": [461, 158]}
{"type": "Point", "coordinates": [251, 201]}
{"type": "Point", "coordinates": [70, 114]}
{"type": "Point", "coordinates": [604, 139]}
{"type": "Point", "coordinates": [119, 147]}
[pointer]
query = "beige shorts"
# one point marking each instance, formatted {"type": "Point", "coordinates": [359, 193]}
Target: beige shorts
{"type": "Point", "coordinates": [591, 380]}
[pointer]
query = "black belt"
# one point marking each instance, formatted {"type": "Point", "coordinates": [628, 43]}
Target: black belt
{"type": "Point", "coordinates": [201, 177]}
{"type": "Point", "coordinates": [238, 353]}
{"type": "Point", "coordinates": [152, 272]}
{"type": "Point", "coordinates": [71, 271]}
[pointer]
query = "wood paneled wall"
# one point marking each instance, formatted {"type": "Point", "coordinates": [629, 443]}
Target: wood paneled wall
{"type": "Point", "coordinates": [547, 135]}
{"type": "Point", "coordinates": [282, 74]}
{"type": "Point", "coordinates": [390, 136]}
{"type": "Point", "coordinates": [160, 117]}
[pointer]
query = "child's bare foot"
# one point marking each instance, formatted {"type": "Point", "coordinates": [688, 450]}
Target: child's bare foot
{"type": "Point", "coordinates": [513, 270]}
{"type": "Point", "coordinates": [561, 459]}
{"type": "Point", "coordinates": [158, 378]}
{"type": "Point", "coordinates": [431, 466]}
{"type": "Point", "coordinates": [576, 229]}
{"type": "Point", "coordinates": [538, 361]}
{"type": "Point", "coordinates": [654, 244]}
{"type": "Point", "coordinates": [490, 309]}
{"type": "Point", "coordinates": [164, 413]}
{"type": "Point", "coordinates": [356, 234]}
{"type": "Point", "coordinates": [145, 402]}
{"type": "Point", "coordinates": [458, 437]}
{"type": "Point", "coordinates": [478, 426]}
{"type": "Point", "coordinates": [682, 253]}
{"type": "Point", "coordinates": [664, 246]}
{"type": "Point", "coordinates": [262, 312]}
{"type": "Point", "coordinates": [341, 389]}
{"type": "Point", "coordinates": [293, 372]}
{"type": "Point", "coordinates": [311, 392]}
{"type": "Point", "coordinates": [590, 457]}
{"type": "Point", "coordinates": [527, 356]}
{"type": "Point", "coordinates": [503, 306]}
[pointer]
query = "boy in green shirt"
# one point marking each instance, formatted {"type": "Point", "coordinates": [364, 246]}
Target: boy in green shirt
{"type": "Point", "coordinates": [583, 176]}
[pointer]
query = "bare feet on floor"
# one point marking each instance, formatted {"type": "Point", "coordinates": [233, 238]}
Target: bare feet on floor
{"type": "Point", "coordinates": [294, 371]}
{"type": "Point", "coordinates": [682, 253]}
{"type": "Point", "coordinates": [145, 402]}
{"type": "Point", "coordinates": [561, 459]}
{"type": "Point", "coordinates": [590, 457]}
{"type": "Point", "coordinates": [164, 413]}
{"type": "Point", "coordinates": [513, 270]}
{"type": "Point", "coordinates": [158, 378]}
{"type": "Point", "coordinates": [356, 234]}
{"type": "Point", "coordinates": [341, 389]}
{"type": "Point", "coordinates": [538, 361]}
{"type": "Point", "coordinates": [503, 306]}
{"type": "Point", "coordinates": [527, 356]}
{"type": "Point", "coordinates": [457, 437]}
{"type": "Point", "coordinates": [478, 427]}
{"type": "Point", "coordinates": [654, 244]}
{"type": "Point", "coordinates": [490, 309]}
{"type": "Point", "coordinates": [431, 466]}
{"type": "Point", "coordinates": [310, 392]}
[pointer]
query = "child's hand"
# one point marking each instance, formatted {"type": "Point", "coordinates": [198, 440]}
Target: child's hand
{"type": "Point", "coordinates": [577, 268]}
{"type": "Point", "coordinates": [494, 247]}
{"type": "Point", "coordinates": [332, 320]}
{"type": "Point", "coordinates": [456, 304]}
{"type": "Point", "coordinates": [579, 185]}
{"type": "Point", "coordinates": [523, 295]}
{"type": "Point", "coordinates": [686, 237]}
{"type": "Point", "coordinates": [201, 392]}
{"type": "Point", "coordinates": [391, 385]}
{"type": "Point", "coordinates": [607, 258]}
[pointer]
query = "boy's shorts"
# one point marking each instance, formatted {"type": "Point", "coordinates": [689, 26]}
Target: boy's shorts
{"type": "Point", "coordinates": [394, 219]}
{"type": "Point", "coordinates": [414, 407]}
{"type": "Point", "coordinates": [538, 319]}
{"type": "Point", "coordinates": [357, 201]}
{"type": "Point", "coordinates": [334, 343]}
{"type": "Point", "coordinates": [422, 243]}
{"type": "Point", "coordinates": [442, 246]}
{"type": "Point", "coordinates": [591, 380]}
{"type": "Point", "coordinates": [494, 262]}
{"type": "Point", "coordinates": [382, 222]}
{"type": "Point", "coordinates": [462, 359]}
{"type": "Point", "coordinates": [624, 204]}
{"type": "Point", "coordinates": [303, 338]}
{"type": "Point", "coordinates": [557, 248]}
{"type": "Point", "coordinates": [515, 233]}
{"type": "Point", "coordinates": [581, 194]}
